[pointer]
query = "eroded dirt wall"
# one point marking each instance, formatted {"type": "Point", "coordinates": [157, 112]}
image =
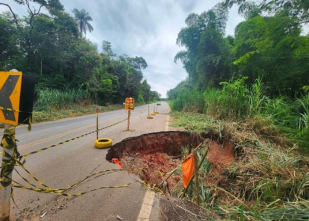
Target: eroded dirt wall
{"type": "Point", "coordinates": [169, 142]}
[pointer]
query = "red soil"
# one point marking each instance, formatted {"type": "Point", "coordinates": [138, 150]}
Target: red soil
{"type": "Point", "coordinates": [152, 156]}
{"type": "Point", "coordinates": [151, 167]}
{"type": "Point", "coordinates": [219, 157]}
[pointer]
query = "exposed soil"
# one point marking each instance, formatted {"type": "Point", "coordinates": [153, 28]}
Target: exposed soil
{"type": "Point", "coordinates": [150, 167]}
{"type": "Point", "coordinates": [160, 142]}
{"type": "Point", "coordinates": [153, 156]}
{"type": "Point", "coordinates": [219, 156]}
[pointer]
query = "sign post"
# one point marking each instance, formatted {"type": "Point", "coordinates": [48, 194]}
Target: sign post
{"type": "Point", "coordinates": [8, 142]}
{"type": "Point", "coordinates": [129, 114]}
{"type": "Point", "coordinates": [9, 146]}
{"type": "Point", "coordinates": [16, 105]}
{"type": "Point", "coordinates": [129, 105]}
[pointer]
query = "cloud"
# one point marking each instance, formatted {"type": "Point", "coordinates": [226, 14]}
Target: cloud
{"type": "Point", "coordinates": [144, 28]}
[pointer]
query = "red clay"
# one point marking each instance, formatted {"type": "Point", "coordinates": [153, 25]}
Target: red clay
{"type": "Point", "coordinates": [152, 156]}
{"type": "Point", "coordinates": [219, 157]}
{"type": "Point", "coordinates": [150, 167]}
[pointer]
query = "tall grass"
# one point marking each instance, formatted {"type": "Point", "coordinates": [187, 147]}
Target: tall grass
{"type": "Point", "coordinates": [237, 101]}
{"type": "Point", "coordinates": [192, 101]}
{"type": "Point", "coordinates": [49, 99]}
{"type": "Point", "coordinates": [303, 123]}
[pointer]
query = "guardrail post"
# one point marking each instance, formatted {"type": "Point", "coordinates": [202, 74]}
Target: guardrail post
{"type": "Point", "coordinates": [9, 144]}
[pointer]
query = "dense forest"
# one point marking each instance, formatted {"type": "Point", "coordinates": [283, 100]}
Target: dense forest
{"type": "Point", "coordinates": [263, 71]}
{"type": "Point", "coordinates": [51, 44]}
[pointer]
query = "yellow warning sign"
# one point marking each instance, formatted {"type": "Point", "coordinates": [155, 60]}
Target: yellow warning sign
{"type": "Point", "coordinates": [10, 87]}
{"type": "Point", "coordinates": [129, 104]}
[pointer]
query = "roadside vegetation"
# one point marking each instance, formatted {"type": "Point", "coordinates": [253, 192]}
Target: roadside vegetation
{"type": "Point", "coordinates": [252, 90]}
{"type": "Point", "coordinates": [54, 104]}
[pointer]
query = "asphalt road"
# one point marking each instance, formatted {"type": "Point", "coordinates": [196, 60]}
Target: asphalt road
{"type": "Point", "coordinates": [66, 164]}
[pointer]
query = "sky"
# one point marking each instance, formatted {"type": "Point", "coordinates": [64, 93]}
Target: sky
{"type": "Point", "coordinates": [146, 28]}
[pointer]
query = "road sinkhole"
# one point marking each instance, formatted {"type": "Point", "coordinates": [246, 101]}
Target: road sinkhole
{"type": "Point", "coordinates": [154, 156]}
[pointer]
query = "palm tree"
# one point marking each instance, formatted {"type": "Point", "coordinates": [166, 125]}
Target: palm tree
{"type": "Point", "coordinates": [83, 18]}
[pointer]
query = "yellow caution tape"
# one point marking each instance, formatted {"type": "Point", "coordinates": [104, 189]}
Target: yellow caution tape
{"type": "Point", "coordinates": [149, 186]}
{"type": "Point", "coordinates": [10, 109]}
{"type": "Point", "coordinates": [8, 142]}
{"type": "Point", "coordinates": [102, 172]}
{"type": "Point", "coordinates": [75, 138]}
{"type": "Point", "coordinates": [47, 189]}
{"type": "Point", "coordinates": [60, 193]}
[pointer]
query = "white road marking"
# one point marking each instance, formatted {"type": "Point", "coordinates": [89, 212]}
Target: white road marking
{"type": "Point", "coordinates": [167, 122]}
{"type": "Point", "coordinates": [145, 211]}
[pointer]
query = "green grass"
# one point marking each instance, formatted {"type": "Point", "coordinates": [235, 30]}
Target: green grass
{"type": "Point", "coordinates": [238, 102]}
{"type": "Point", "coordinates": [271, 179]}
{"type": "Point", "coordinates": [54, 104]}
{"type": "Point", "coordinates": [73, 111]}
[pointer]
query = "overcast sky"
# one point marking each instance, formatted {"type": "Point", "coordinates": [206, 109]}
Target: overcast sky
{"type": "Point", "coordinates": [146, 28]}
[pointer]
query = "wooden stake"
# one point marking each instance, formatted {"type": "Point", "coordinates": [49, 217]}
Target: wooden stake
{"type": "Point", "coordinates": [200, 164]}
{"type": "Point", "coordinates": [195, 161]}
{"type": "Point", "coordinates": [129, 113]}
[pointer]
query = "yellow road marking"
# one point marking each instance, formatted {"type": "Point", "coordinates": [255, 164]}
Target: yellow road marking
{"type": "Point", "coordinates": [44, 140]}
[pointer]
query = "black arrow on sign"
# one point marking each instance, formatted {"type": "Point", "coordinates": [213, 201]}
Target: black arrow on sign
{"type": "Point", "coordinates": [5, 93]}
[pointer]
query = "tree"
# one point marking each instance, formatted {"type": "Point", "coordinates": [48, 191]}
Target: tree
{"type": "Point", "coordinates": [138, 63]}
{"type": "Point", "coordinates": [207, 55]}
{"type": "Point", "coordinates": [53, 6]}
{"type": "Point", "coordinates": [83, 18]}
{"type": "Point", "coordinates": [272, 47]}
{"type": "Point", "coordinates": [107, 49]}
{"type": "Point", "coordinates": [47, 44]}
{"type": "Point", "coordinates": [296, 8]}
{"type": "Point", "coordinates": [11, 54]}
